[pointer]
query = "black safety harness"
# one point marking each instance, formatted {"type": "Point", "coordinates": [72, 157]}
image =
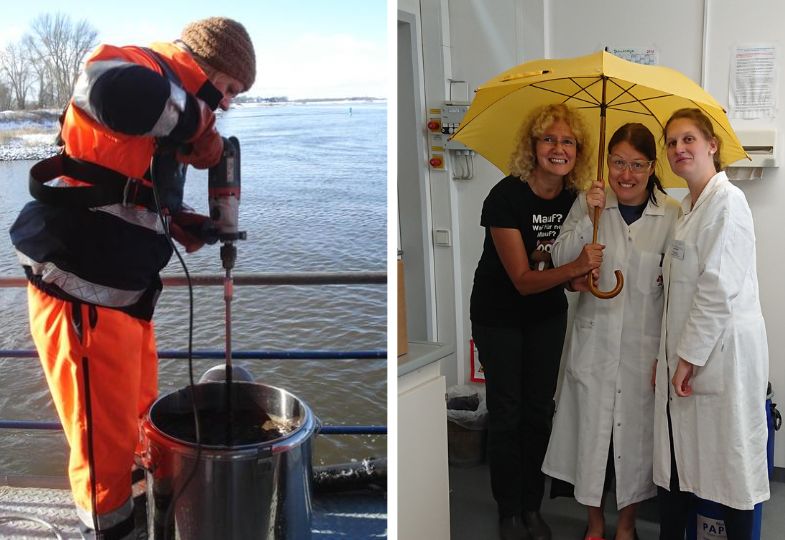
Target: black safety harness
{"type": "Point", "coordinates": [107, 185]}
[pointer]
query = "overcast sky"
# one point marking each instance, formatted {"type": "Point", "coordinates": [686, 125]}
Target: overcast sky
{"type": "Point", "coordinates": [304, 48]}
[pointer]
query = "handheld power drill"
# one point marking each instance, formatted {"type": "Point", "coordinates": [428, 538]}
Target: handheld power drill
{"type": "Point", "coordinates": [223, 194]}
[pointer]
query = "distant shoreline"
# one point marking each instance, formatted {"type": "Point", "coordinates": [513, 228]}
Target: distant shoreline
{"type": "Point", "coordinates": [285, 100]}
{"type": "Point", "coordinates": [29, 134]}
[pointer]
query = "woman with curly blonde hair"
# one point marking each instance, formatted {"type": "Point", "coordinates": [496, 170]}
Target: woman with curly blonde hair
{"type": "Point", "coordinates": [519, 311]}
{"type": "Point", "coordinates": [523, 159]}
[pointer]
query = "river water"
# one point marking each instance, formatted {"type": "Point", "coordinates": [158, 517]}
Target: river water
{"type": "Point", "coordinates": [313, 199]}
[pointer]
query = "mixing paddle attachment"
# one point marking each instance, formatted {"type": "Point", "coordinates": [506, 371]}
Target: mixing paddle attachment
{"type": "Point", "coordinates": [223, 193]}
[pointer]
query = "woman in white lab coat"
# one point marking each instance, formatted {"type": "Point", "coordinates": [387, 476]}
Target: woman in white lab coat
{"type": "Point", "coordinates": [603, 422]}
{"type": "Point", "coordinates": [710, 424]}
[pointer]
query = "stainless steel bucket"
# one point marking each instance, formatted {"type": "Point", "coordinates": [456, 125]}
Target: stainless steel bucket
{"type": "Point", "coordinates": [244, 486]}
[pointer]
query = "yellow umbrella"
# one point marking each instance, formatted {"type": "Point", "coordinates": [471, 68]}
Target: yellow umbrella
{"type": "Point", "coordinates": [608, 92]}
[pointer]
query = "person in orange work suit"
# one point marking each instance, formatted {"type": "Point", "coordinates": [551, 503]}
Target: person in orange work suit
{"type": "Point", "coordinates": [92, 243]}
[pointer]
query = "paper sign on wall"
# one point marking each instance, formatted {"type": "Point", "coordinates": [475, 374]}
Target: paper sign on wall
{"type": "Point", "coordinates": [753, 82]}
{"type": "Point", "coordinates": [640, 55]}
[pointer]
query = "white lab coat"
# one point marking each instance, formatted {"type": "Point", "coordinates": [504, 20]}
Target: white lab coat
{"type": "Point", "coordinates": [713, 320]}
{"type": "Point", "coordinates": [610, 354]}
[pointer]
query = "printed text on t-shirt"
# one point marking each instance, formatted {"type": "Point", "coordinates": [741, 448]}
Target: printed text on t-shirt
{"type": "Point", "coordinates": [547, 226]}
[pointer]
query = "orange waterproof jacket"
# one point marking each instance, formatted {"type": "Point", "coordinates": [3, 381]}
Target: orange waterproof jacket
{"type": "Point", "coordinates": [129, 104]}
{"type": "Point", "coordinates": [87, 132]}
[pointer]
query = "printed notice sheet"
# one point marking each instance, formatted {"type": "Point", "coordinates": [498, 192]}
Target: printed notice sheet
{"type": "Point", "coordinates": [753, 82]}
{"type": "Point", "coordinates": [640, 55]}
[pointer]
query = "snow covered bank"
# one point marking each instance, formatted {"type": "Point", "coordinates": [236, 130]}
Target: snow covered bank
{"type": "Point", "coordinates": [28, 134]}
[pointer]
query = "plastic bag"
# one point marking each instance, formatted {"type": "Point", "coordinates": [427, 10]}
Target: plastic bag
{"type": "Point", "coordinates": [466, 406]}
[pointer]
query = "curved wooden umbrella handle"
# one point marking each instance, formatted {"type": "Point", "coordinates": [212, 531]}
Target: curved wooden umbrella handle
{"type": "Point", "coordinates": [610, 294]}
{"type": "Point", "coordinates": [619, 277]}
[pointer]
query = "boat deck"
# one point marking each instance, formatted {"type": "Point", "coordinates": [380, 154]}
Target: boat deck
{"type": "Point", "coordinates": [356, 514]}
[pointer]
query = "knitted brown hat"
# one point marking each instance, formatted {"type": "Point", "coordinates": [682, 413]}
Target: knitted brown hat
{"type": "Point", "coordinates": [223, 44]}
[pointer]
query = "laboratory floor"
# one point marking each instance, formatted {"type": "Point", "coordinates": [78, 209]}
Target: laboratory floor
{"type": "Point", "coordinates": [473, 511]}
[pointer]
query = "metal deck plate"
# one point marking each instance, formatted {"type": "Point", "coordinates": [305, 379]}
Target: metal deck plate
{"type": "Point", "coordinates": [335, 515]}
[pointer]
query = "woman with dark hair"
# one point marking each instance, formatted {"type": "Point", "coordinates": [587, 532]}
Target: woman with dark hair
{"type": "Point", "coordinates": [603, 425]}
{"type": "Point", "coordinates": [710, 423]}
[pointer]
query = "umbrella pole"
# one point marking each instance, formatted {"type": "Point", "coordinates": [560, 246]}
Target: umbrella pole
{"type": "Point", "coordinates": [600, 160]}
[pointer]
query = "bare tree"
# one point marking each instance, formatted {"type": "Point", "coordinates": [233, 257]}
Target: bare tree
{"type": "Point", "coordinates": [15, 65]}
{"type": "Point", "coordinates": [5, 97]}
{"type": "Point", "coordinates": [42, 74]}
{"type": "Point", "coordinates": [61, 46]}
{"type": "Point", "coordinates": [44, 67]}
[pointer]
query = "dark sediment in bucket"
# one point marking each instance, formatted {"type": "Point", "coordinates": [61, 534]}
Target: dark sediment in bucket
{"type": "Point", "coordinates": [220, 428]}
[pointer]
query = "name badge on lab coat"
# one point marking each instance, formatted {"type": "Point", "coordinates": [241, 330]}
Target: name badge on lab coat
{"type": "Point", "coordinates": [677, 249]}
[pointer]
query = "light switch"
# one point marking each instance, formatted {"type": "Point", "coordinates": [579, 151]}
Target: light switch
{"type": "Point", "coordinates": [441, 237]}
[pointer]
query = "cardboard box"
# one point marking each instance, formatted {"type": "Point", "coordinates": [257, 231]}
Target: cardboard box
{"type": "Point", "coordinates": [403, 338]}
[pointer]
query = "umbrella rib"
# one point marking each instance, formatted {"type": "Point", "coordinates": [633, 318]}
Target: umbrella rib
{"type": "Point", "coordinates": [569, 96]}
{"type": "Point", "coordinates": [593, 99]}
{"type": "Point", "coordinates": [626, 91]}
{"type": "Point", "coordinates": [651, 114]}
{"type": "Point", "coordinates": [619, 109]}
{"type": "Point", "coordinates": [641, 101]}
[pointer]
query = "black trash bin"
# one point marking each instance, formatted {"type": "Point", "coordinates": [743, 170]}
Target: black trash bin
{"type": "Point", "coordinates": [467, 415]}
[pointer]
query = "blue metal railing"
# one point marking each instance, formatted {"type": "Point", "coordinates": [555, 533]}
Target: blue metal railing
{"type": "Point", "coordinates": [287, 278]}
{"type": "Point", "coordinates": [219, 355]}
{"type": "Point", "coordinates": [325, 430]}
{"type": "Point", "coordinates": [303, 278]}
{"type": "Point", "coordinates": [374, 354]}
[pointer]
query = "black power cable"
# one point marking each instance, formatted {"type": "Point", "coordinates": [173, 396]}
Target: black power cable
{"type": "Point", "coordinates": [168, 517]}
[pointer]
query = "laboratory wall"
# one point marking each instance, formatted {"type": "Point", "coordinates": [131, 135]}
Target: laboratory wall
{"type": "Point", "coordinates": [477, 40]}
{"type": "Point", "coordinates": [422, 194]}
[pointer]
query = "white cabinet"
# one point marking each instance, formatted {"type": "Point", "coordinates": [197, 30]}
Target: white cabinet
{"type": "Point", "coordinates": [423, 477]}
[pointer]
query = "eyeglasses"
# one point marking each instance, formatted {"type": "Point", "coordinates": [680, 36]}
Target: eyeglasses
{"type": "Point", "coordinates": [635, 167]}
{"type": "Point", "coordinates": [553, 141]}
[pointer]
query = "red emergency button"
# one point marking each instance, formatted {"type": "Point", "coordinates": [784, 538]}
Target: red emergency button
{"type": "Point", "coordinates": [436, 161]}
{"type": "Point", "coordinates": [434, 125]}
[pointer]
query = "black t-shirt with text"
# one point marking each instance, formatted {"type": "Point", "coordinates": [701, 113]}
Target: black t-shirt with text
{"type": "Point", "coordinates": [512, 204]}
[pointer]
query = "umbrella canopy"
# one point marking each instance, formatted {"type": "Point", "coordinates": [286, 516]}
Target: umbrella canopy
{"type": "Point", "coordinates": [626, 91]}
